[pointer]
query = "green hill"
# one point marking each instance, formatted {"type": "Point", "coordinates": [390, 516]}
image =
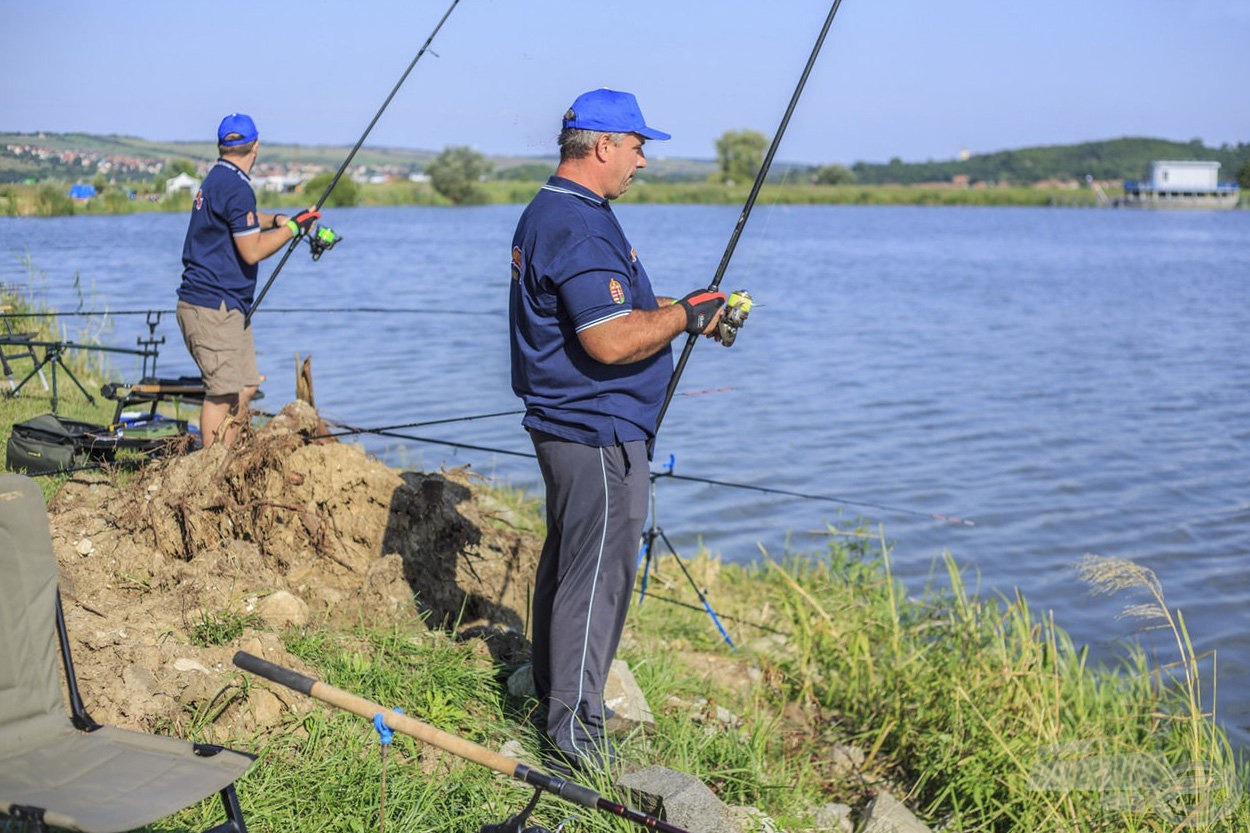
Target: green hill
{"type": "Point", "coordinates": [78, 156]}
{"type": "Point", "coordinates": [1127, 158]}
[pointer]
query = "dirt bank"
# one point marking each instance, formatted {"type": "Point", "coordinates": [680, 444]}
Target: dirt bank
{"type": "Point", "coordinates": [167, 573]}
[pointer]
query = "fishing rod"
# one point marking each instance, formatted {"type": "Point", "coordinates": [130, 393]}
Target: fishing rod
{"type": "Point", "coordinates": [746, 212]}
{"type": "Point", "coordinates": [885, 507]}
{"type": "Point", "coordinates": [353, 430]}
{"type": "Point", "coordinates": [458, 746]}
{"type": "Point", "coordinates": [827, 498]}
{"type": "Point", "coordinates": [350, 156]}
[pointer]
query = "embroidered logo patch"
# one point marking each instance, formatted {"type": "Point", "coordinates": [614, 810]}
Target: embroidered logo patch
{"type": "Point", "coordinates": [251, 219]}
{"type": "Point", "coordinates": [199, 200]}
{"type": "Point", "coordinates": [633, 255]}
{"type": "Point", "coordinates": [517, 261]}
{"type": "Point", "coordinates": [617, 292]}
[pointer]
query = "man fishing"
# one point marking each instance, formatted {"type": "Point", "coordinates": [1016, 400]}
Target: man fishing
{"type": "Point", "coordinates": [591, 360]}
{"type": "Point", "coordinates": [226, 237]}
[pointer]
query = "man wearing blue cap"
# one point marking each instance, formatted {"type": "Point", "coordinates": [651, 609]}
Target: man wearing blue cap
{"type": "Point", "coordinates": [226, 237]}
{"type": "Point", "coordinates": [591, 360]}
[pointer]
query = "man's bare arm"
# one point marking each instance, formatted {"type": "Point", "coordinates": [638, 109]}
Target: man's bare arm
{"type": "Point", "coordinates": [639, 335]}
{"type": "Point", "coordinates": [254, 248]}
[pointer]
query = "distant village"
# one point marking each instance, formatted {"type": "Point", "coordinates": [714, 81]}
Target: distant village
{"type": "Point", "coordinates": [276, 177]}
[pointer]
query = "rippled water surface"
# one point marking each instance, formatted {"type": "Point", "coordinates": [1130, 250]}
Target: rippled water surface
{"type": "Point", "coordinates": [1073, 380]}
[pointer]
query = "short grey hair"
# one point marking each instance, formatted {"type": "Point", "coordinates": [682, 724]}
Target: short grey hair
{"type": "Point", "coordinates": [576, 143]}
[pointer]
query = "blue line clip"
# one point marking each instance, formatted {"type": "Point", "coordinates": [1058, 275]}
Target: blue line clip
{"type": "Point", "coordinates": [385, 733]}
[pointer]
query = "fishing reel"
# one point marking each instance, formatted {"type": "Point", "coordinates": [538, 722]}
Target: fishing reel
{"type": "Point", "coordinates": [321, 240]}
{"type": "Point", "coordinates": [737, 308]}
{"type": "Point", "coordinates": [517, 823]}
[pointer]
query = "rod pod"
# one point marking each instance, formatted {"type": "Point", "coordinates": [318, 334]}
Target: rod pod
{"type": "Point", "coordinates": [458, 746]}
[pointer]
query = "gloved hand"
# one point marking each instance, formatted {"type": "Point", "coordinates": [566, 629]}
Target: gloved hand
{"type": "Point", "coordinates": [701, 307]}
{"type": "Point", "coordinates": [303, 222]}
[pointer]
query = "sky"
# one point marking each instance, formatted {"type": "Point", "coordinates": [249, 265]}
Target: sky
{"type": "Point", "coordinates": [914, 79]}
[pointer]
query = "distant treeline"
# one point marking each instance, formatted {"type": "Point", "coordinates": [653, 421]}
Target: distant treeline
{"type": "Point", "coordinates": [1116, 159]}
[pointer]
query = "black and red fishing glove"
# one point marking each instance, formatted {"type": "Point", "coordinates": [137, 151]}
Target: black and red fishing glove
{"type": "Point", "coordinates": [701, 306]}
{"type": "Point", "coordinates": [301, 223]}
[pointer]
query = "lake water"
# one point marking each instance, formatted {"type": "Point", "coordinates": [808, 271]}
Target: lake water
{"type": "Point", "coordinates": [1075, 381]}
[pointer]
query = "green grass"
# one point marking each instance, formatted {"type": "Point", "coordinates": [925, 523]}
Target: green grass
{"type": "Point", "coordinates": [958, 702]}
{"type": "Point", "coordinates": [219, 627]}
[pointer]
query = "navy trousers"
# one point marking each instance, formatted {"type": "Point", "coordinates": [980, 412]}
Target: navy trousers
{"type": "Point", "coordinates": [596, 508]}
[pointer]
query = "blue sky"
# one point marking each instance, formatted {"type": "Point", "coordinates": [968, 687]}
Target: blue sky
{"type": "Point", "coordinates": [916, 79]}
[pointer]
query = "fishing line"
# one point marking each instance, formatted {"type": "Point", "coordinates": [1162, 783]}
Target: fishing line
{"type": "Point", "coordinates": [705, 480]}
{"type": "Point", "coordinates": [726, 616]}
{"type": "Point", "coordinates": [826, 498]}
{"type": "Point", "coordinates": [746, 211]}
{"type": "Point", "coordinates": [352, 430]}
{"type": "Point", "coordinates": [350, 156]}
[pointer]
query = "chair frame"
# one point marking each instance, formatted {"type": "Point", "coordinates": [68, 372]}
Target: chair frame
{"type": "Point", "coordinates": [32, 817]}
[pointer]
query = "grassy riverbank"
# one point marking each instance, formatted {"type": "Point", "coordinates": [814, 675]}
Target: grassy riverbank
{"type": "Point", "coordinates": [49, 200]}
{"type": "Point", "coordinates": [977, 710]}
{"type": "Point", "coordinates": [980, 711]}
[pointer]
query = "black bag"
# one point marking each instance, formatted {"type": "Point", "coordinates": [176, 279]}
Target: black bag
{"type": "Point", "coordinates": [48, 444]}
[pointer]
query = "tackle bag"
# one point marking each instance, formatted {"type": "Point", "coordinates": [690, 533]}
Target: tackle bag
{"type": "Point", "coordinates": [48, 443]}
{"type": "Point", "coordinates": [152, 434]}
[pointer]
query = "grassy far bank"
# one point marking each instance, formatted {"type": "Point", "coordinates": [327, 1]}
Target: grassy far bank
{"type": "Point", "coordinates": [978, 710]}
{"type": "Point", "coordinates": [50, 200]}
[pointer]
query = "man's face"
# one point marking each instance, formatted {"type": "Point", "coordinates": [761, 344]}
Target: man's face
{"type": "Point", "coordinates": [622, 161]}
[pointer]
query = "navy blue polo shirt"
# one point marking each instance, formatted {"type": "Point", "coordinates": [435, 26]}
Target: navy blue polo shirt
{"type": "Point", "coordinates": [572, 268]}
{"type": "Point", "coordinates": [212, 270]}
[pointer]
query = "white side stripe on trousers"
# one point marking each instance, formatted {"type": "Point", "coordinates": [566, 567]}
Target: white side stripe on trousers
{"type": "Point", "coordinates": [581, 676]}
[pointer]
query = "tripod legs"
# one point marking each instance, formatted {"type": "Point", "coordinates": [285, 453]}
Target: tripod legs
{"type": "Point", "coordinates": [647, 553]}
{"type": "Point", "coordinates": [52, 356]}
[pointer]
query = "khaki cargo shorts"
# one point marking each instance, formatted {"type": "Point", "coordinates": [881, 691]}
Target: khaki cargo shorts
{"type": "Point", "coordinates": [221, 346]}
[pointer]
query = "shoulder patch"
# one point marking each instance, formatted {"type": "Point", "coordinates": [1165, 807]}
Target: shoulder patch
{"type": "Point", "coordinates": [517, 263]}
{"type": "Point", "coordinates": [251, 219]}
{"type": "Point", "coordinates": [199, 199]}
{"type": "Point", "coordinates": [617, 292]}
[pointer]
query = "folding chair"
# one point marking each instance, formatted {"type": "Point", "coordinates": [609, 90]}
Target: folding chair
{"type": "Point", "coordinates": [74, 773]}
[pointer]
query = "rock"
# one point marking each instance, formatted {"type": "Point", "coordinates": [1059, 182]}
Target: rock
{"type": "Point", "coordinates": [702, 711]}
{"type": "Point", "coordinates": [835, 818]}
{"type": "Point", "coordinates": [628, 708]}
{"type": "Point", "coordinates": [844, 760]}
{"type": "Point", "coordinates": [680, 799]}
{"type": "Point", "coordinates": [140, 680]}
{"type": "Point", "coordinates": [265, 705]}
{"type": "Point", "coordinates": [188, 664]}
{"type": "Point", "coordinates": [521, 683]}
{"type": "Point", "coordinates": [512, 749]}
{"type": "Point", "coordinates": [84, 547]}
{"type": "Point", "coordinates": [886, 814]}
{"type": "Point", "coordinates": [753, 820]}
{"type": "Point", "coordinates": [283, 609]}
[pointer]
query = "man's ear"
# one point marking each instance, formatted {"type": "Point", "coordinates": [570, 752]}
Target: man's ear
{"type": "Point", "coordinates": [601, 146]}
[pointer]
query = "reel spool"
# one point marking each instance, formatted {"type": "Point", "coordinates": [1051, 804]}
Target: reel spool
{"type": "Point", "coordinates": [321, 240]}
{"type": "Point", "coordinates": [737, 308]}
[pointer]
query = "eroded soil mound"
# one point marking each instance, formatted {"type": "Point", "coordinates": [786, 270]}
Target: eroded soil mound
{"type": "Point", "coordinates": [168, 574]}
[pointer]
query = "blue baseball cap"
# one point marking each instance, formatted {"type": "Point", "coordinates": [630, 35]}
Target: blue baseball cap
{"type": "Point", "coordinates": [237, 123]}
{"type": "Point", "coordinates": [610, 112]}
